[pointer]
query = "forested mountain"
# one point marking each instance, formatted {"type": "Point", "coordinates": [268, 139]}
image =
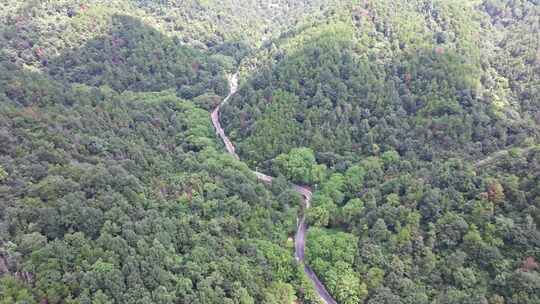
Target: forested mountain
{"type": "Point", "coordinates": [416, 123]}
{"type": "Point", "coordinates": [113, 188]}
{"type": "Point", "coordinates": [420, 122]}
{"type": "Point", "coordinates": [227, 28]}
{"type": "Point", "coordinates": [410, 76]}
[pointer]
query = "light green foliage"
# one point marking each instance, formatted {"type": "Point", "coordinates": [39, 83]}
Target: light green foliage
{"type": "Point", "coordinates": [333, 188]}
{"type": "Point", "coordinates": [3, 174]}
{"type": "Point", "coordinates": [309, 294]}
{"type": "Point", "coordinates": [374, 277]}
{"type": "Point", "coordinates": [390, 158]}
{"type": "Point", "coordinates": [331, 247]}
{"type": "Point", "coordinates": [345, 284]}
{"type": "Point", "coordinates": [14, 292]}
{"type": "Point", "coordinates": [318, 216]}
{"type": "Point", "coordinates": [352, 210]}
{"type": "Point", "coordinates": [332, 255]}
{"type": "Point", "coordinates": [31, 242]}
{"type": "Point", "coordinates": [280, 260]}
{"type": "Point", "coordinates": [279, 293]}
{"type": "Point", "coordinates": [102, 267]}
{"type": "Point", "coordinates": [354, 178]}
{"type": "Point", "coordinates": [296, 165]}
{"type": "Point", "coordinates": [414, 122]}
{"type": "Point", "coordinates": [392, 199]}
{"type": "Point", "coordinates": [318, 173]}
{"type": "Point", "coordinates": [323, 209]}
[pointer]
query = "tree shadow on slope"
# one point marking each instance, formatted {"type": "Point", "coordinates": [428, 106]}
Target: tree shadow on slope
{"type": "Point", "coordinates": [429, 104]}
{"type": "Point", "coordinates": [345, 104]}
{"type": "Point", "coordinates": [78, 153]}
{"type": "Point", "coordinates": [134, 56]}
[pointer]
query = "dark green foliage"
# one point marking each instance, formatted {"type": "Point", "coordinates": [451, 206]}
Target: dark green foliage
{"type": "Point", "coordinates": [447, 233]}
{"type": "Point", "coordinates": [138, 58]}
{"type": "Point", "coordinates": [418, 110]}
{"type": "Point", "coordinates": [130, 201]}
{"type": "Point", "coordinates": [414, 122]}
{"type": "Point", "coordinates": [375, 85]}
{"type": "Point", "coordinates": [112, 188]}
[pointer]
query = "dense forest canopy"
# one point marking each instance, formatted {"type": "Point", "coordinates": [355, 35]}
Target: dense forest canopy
{"type": "Point", "coordinates": [416, 123]}
{"type": "Point", "coordinates": [112, 184]}
{"type": "Point", "coordinates": [360, 81]}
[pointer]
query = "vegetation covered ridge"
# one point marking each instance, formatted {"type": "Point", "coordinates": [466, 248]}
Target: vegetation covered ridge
{"type": "Point", "coordinates": [416, 123]}
{"type": "Point", "coordinates": [304, 191]}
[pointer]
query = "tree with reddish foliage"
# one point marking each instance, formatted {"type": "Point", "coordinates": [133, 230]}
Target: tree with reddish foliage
{"type": "Point", "coordinates": [40, 52]}
{"type": "Point", "coordinates": [495, 192]}
{"type": "Point", "coordinates": [439, 50]}
{"type": "Point", "coordinates": [529, 264]}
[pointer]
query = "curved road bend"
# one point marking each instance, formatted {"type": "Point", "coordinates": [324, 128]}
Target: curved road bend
{"type": "Point", "coordinates": [300, 236]}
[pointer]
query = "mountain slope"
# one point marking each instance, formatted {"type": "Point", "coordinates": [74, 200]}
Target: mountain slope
{"type": "Point", "coordinates": [394, 104]}
{"type": "Point", "coordinates": [112, 186]}
{"type": "Point", "coordinates": [415, 123]}
{"type": "Point", "coordinates": [377, 73]}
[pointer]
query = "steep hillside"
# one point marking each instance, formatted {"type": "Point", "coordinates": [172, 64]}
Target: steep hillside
{"type": "Point", "coordinates": [415, 123]}
{"type": "Point", "coordinates": [410, 77]}
{"type": "Point", "coordinates": [112, 186]}
{"type": "Point", "coordinates": [386, 108]}
{"type": "Point", "coordinates": [37, 30]}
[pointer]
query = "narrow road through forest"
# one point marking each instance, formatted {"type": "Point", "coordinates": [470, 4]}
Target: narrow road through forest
{"type": "Point", "coordinates": [300, 237]}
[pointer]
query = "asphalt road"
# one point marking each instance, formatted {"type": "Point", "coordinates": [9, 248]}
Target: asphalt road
{"type": "Point", "coordinates": [300, 236]}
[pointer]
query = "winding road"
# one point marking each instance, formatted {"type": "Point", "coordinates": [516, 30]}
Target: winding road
{"type": "Point", "coordinates": [300, 236]}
